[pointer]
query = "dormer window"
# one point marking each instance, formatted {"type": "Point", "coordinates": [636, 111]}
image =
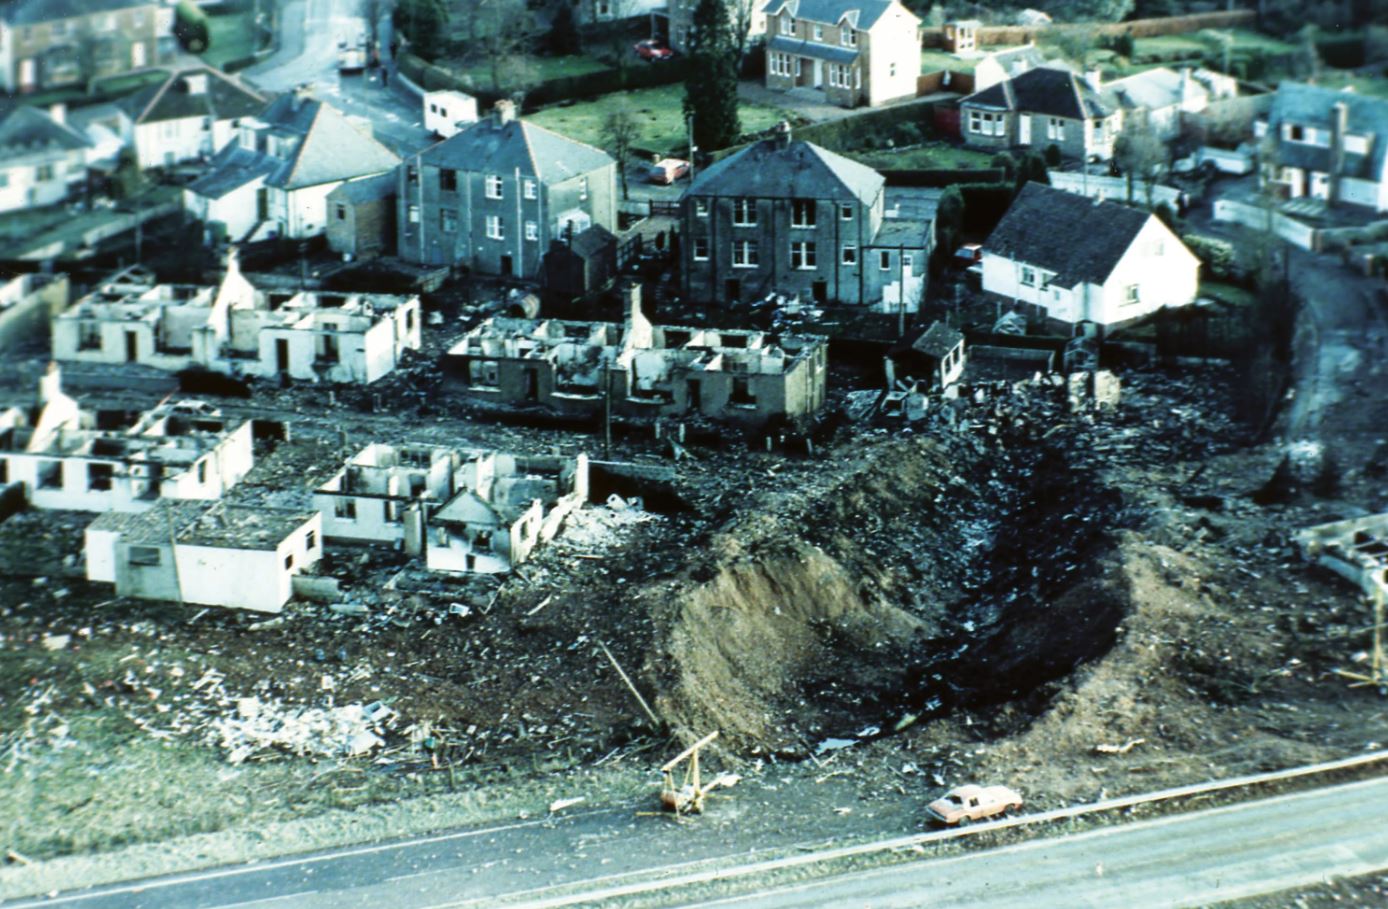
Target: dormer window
{"type": "Point", "coordinates": [818, 32]}
{"type": "Point", "coordinates": [848, 36]}
{"type": "Point", "coordinates": [787, 25]}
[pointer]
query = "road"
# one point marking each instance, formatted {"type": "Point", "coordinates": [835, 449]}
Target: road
{"type": "Point", "coordinates": [307, 56]}
{"type": "Point", "coordinates": [1191, 859]}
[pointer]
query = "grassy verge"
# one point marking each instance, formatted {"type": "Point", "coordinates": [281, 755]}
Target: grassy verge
{"type": "Point", "coordinates": [232, 37]}
{"type": "Point", "coordinates": [659, 116]}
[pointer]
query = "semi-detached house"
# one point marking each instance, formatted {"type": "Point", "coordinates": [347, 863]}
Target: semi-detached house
{"type": "Point", "coordinates": [495, 195]}
{"type": "Point", "coordinates": [1039, 108]}
{"type": "Point", "coordinates": [853, 51]}
{"type": "Point", "coordinates": [1327, 144]}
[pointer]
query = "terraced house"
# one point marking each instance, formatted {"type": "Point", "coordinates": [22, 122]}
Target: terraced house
{"type": "Point", "coordinates": [789, 217]}
{"type": "Point", "coordinates": [853, 52]}
{"type": "Point", "coordinates": [493, 196]}
{"type": "Point", "coordinates": [52, 43]}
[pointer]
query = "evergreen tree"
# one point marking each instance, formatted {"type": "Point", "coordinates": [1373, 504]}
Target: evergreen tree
{"type": "Point", "coordinates": [563, 38]}
{"type": "Point", "coordinates": [710, 91]}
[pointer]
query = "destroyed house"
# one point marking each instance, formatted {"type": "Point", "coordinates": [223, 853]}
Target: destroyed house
{"type": "Point", "coordinates": [641, 370]}
{"type": "Point", "coordinates": [178, 450]}
{"type": "Point", "coordinates": [383, 488]}
{"type": "Point", "coordinates": [465, 511]}
{"type": "Point", "coordinates": [220, 555]}
{"type": "Point", "coordinates": [238, 330]}
{"type": "Point", "coordinates": [505, 506]}
{"type": "Point", "coordinates": [1356, 549]}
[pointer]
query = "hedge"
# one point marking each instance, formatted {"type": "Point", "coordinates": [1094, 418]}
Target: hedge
{"type": "Point", "coordinates": [432, 77]}
{"type": "Point", "coordinates": [191, 27]}
{"type": "Point", "coordinates": [239, 63]}
{"type": "Point", "coordinates": [984, 205]}
{"type": "Point", "coordinates": [942, 176]}
{"type": "Point", "coordinates": [856, 131]}
{"type": "Point", "coordinates": [1217, 256]}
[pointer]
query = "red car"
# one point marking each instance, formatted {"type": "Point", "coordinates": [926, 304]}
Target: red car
{"type": "Point", "coordinates": [652, 51]}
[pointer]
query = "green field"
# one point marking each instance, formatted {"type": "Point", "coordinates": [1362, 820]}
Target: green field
{"type": "Point", "coordinates": [924, 157]}
{"type": "Point", "coordinates": [933, 60]}
{"type": "Point", "coordinates": [659, 114]}
{"type": "Point", "coordinates": [231, 36]}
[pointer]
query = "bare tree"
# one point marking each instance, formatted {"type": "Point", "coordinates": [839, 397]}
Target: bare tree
{"type": "Point", "coordinates": [1141, 153]}
{"type": "Point", "coordinates": [619, 130]}
{"type": "Point", "coordinates": [501, 33]}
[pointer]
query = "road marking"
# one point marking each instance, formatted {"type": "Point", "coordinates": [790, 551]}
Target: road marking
{"type": "Point", "coordinates": [255, 868]}
{"type": "Point", "coordinates": [415, 874]}
{"type": "Point", "coordinates": [268, 899]}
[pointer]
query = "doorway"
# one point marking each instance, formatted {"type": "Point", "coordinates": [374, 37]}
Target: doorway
{"type": "Point", "coordinates": [282, 355]}
{"type": "Point", "coordinates": [1023, 129]}
{"type": "Point", "coordinates": [820, 291]}
{"type": "Point", "coordinates": [732, 289]}
{"type": "Point", "coordinates": [506, 266]}
{"type": "Point", "coordinates": [132, 347]}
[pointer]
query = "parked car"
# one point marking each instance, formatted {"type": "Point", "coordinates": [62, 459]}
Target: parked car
{"type": "Point", "coordinates": [968, 255]}
{"type": "Point", "coordinates": [964, 804]}
{"type": "Point", "coordinates": [668, 170]}
{"type": "Point", "coordinates": [653, 51]}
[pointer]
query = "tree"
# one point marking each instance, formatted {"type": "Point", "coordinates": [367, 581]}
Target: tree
{"type": "Point", "coordinates": [949, 227]}
{"type": "Point", "coordinates": [1004, 162]}
{"type": "Point", "coordinates": [501, 33]}
{"type": "Point", "coordinates": [1074, 42]}
{"type": "Point", "coordinates": [1031, 168]}
{"type": "Point", "coordinates": [619, 133]}
{"type": "Point", "coordinates": [563, 38]}
{"type": "Point", "coordinates": [710, 91]}
{"type": "Point", "coordinates": [1139, 153]}
{"type": "Point", "coordinates": [425, 23]}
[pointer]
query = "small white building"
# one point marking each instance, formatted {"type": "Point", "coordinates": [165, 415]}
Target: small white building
{"type": "Point", "coordinates": [238, 330]}
{"type": "Point", "coordinates": [190, 115]}
{"type": "Point", "coordinates": [447, 112]}
{"type": "Point", "coordinates": [179, 450]}
{"type": "Point", "coordinates": [1081, 260]}
{"type": "Point", "coordinates": [235, 556]}
{"type": "Point", "coordinates": [1162, 95]}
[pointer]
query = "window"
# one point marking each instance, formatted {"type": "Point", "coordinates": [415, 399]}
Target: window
{"type": "Point", "coordinates": [4, 470]}
{"type": "Point", "coordinates": [411, 173]}
{"type": "Point", "coordinates": [485, 373]}
{"type": "Point", "coordinates": [884, 260]}
{"type": "Point", "coordinates": [202, 471]}
{"type": "Point", "coordinates": [289, 561]}
{"type": "Point", "coordinates": [582, 187]}
{"type": "Point", "coordinates": [390, 512]}
{"type": "Point", "coordinates": [845, 213]}
{"type": "Point", "coordinates": [907, 261]}
{"type": "Point", "coordinates": [532, 230]}
{"type": "Point", "coordinates": [43, 173]}
{"type": "Point", "coordinates": [528, 189]}
{"type": "Point", "coordinates": [1028, 276]}
{"type": "Point", "coordinates": [340, 211]}
{"type": "Point", "coordinates": [744, 254]}
{"type": "Point", "coordinates": [1055, 129]}
{"type": "Point", "coordinates": [1131, 295]}
{"type": "Point", "coordinates": [50, 474]}
{"type": "Point", "coordinates": [802, 212]}
{"type": "Point", "coordinates": [493, 186]}
{"type": "Point", "coordinates": [495, 229]}
{"type": "Point", "coordinates": [802, 255]}
{"type": "Point", "coordinates": [310, 541]}
{"type": "Point", "coordinates": [143, 555]}
{"type": "Point", "coordinates": [841, 76]}
{"type": "Point", "coordinates": [412, 214]}
{"type": "Point", "coordinates": [781, 64]}
{"type": "Point", "coordinates": [346, 509]}
{"type": "Point", "coordinates": [818, 32]}
{"type": "Point", "coordinates": [448, 220]}
{"type": "Point", "coordinates": [849, 255]}
{"type": "Point", "coordinates": [99, 476]}
{"type": "Point", "coordinates": [744, 212]}
{"type": "Point", "coordinates": [448, 180]}
{"type": "Point", "coordinates": [848, 37]}
{"type": "Point", "coordinates": [787, 25]}
{"type": "Point", "coordinates": [89, 336]}
{"type": "Point", "coordinates": [701, 249]}
{"type": "Point", "coordinates": [1296, 133]}
{"type": "Point", "coordinates": [985, 124]}
{"type": "Point", "coordinates": [701, 208]}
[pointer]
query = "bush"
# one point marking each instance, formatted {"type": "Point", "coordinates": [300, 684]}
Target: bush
{"type": "Point", "coordinates": [1052, 155]}
{"type": "Point", "coordinates": [984, 205]}
{"type": "Point", "coordinates": [1216, 255]}
{"type": "Point", "coordinates": [850, 133]}
{"type": "Point", "coordinates": [191, 27]}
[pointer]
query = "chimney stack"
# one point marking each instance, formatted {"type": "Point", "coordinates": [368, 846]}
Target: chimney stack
{"type": "Point", "coordinates": [505, 112]}
{"type": "Point", "coordinates": [1185, 84]}
{"type": "Point", "coordinates": [58, 113]}
{"type": "Point", "coordinates": [1339, 126]}
{"type": "Point", "coordinates": [783, 134]}
{"type": "Point", "coordinates": [196, 83]}
{"type": "Point", "coordinates": [1094, 78]}
{"type": "Point", "coordinates": [50, 384]}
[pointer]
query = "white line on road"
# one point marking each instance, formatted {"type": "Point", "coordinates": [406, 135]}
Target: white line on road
{"type": "Point", "coordinates": [268, 899]}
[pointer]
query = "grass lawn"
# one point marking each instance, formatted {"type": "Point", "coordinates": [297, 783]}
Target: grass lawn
{"type": "Point", "coordinates": [231, 36]}
{"type": "Point", "coordinates": [659, 116]}
{"type": "Point", "coordinates": [1375, 86]}
{"type": "Point", "coordinates": [1168, 47]}
{"type": "Point", "coordinates": [933, 60]}
{"type": "Point", "coordinates": [931, 155]}
{"type": "Point", "coordinates": [543, 69]}
{"type": "Point", "coordinates": [1230, 294]}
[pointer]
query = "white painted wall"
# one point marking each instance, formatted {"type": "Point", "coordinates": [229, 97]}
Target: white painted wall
{"type": "Point", "coordinates": [172, 141]}
{"type": "Point", "coordinates": [100, 549]}
{"type": "Point", "coordinates": [1364, 192]}
{"type": "Point", "coordinates": [368, 524]}
{"type": "Point", "coordinates": [24, 189]}
{"type": "Point", "coordinates": [237, 209]}
{"type": "Point", "coordinates": [307, 210]}
{"type": "Point", "coordinates": [894, 39]}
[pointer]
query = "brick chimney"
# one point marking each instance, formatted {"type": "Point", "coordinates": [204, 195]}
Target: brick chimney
{"type": "Point", "coordinates": [505, 112]}
{"type": "Point", "coordinates": [783, 134]}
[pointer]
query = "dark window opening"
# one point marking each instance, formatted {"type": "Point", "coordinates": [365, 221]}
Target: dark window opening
{"type": "Point", "coordinates": [100, 476]}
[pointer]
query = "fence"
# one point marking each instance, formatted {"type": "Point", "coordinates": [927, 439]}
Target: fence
{"type": "Point", "coordinates": [1103, 187]}
{"type": "Point", "coordinates": [1289, 229]}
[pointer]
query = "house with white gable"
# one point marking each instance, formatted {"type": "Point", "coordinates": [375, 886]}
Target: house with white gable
{"type": "Point", "coordinates": [43, 161]}
{"type": "Point", "coordinates": [226, 555]}
{"type": "Point", "coordinates": [273, 178]}
{"type": "Point", "coordinates": [190, 115]}
{"type": "Point", "coordinates": [1074, 259]}
{"type": "Point", "coordinates": [854, 52]}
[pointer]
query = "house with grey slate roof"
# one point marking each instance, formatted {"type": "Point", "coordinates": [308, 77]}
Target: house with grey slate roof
{"type": "Point", "coordinates": [1161, 95]}
{"type": "Point", "coordinates": [1327, 144]}
{"type": "Point", "coordinates": [850, 52]}
{"type": "Point", "coordinates": [190, 115]}
{"type": "Point", "coordinates": [274, 177]}
{"type": "Point", "coordinates": [42, 159]}
{"type": "Point", "coordinates": [1042, 107]}
{"type": "Point", "coordinates": [1074, 259]}
{"type": "Point", "coordinates": [48, 44]}
{"type": "Point", "coordinates": [494, 196]}
{"type": "Point", "coordinates": [786, 216]}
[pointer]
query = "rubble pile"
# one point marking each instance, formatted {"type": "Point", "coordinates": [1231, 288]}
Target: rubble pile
{"type": "Point", "coordinates": [257, 727]}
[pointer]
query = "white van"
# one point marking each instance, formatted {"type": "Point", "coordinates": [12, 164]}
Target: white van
{"type": "Point", "coordinates": [447, 112]}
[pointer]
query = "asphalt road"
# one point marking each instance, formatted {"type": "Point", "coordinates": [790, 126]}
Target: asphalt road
{"type": "Point", "coordinates": [1192, 859]}
{"type": "Point", "coordinates": [1188, 860]}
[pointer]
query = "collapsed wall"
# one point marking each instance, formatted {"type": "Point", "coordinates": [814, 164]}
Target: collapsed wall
{"type": "Point", "coordinates": [933, 575]}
